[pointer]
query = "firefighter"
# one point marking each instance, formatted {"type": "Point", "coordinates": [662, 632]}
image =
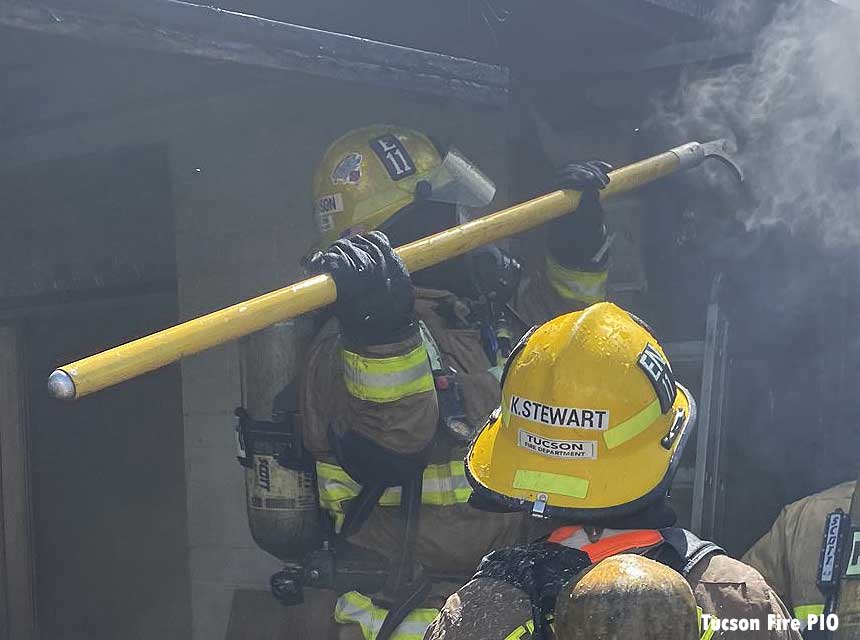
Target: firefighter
{"type": "Point", "coordinates": [397, 382]}
{"type": "Point", "coordinates": [787, 555]}
{"type": "Point", "coordinates": [590, 430]}
{"type": "Point", "coordinates": [627, 596]}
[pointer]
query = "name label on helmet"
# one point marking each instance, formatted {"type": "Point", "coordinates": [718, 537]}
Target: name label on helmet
{"type": "Point", "coordinates": [393, 156]}
{"type": "Point", "coordinates": [325, 207]}
{"type": "Point", "coordinates": [572, 417]}
{"type": "Point", "coordinates": [580, 449]}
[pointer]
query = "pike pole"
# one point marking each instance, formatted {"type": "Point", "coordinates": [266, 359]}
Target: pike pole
{"type": "Point", "coordinates": [105, 369]}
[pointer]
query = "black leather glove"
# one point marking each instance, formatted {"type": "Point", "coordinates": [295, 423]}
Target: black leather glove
{"type": "Point", "coordinates": [375, 297]}
{"type": "Point", "coordinates": [575, 239]}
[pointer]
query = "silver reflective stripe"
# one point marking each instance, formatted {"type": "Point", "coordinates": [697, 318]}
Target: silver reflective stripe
{"type": "Point", "coordinates": [391, 379]}
{"type": "Point", "coordinates": [582, 290]}
{"type": "Point", "coordinates": [436, 485]}
{"type": "Point", "coordinates": [433, 351]}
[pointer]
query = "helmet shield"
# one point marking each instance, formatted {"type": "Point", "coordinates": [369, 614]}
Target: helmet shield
{"type": "Point", "coordinates": [457, 180]}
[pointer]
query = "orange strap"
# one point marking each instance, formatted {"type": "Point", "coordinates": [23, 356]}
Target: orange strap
{"type": "Point", "coordinates": [610, 544]}
{"type": "Point", "coordinates": [563, 533]}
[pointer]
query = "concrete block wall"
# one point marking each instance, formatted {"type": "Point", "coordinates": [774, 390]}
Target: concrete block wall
{"type": "Point", "coordinates": [241, 176]}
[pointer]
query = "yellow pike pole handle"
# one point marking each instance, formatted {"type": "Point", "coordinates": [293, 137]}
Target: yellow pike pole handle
{"type": "Point", "coordinates": [151, 352]}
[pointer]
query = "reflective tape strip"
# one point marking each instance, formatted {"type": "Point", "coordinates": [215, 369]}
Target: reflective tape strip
{"type": "Point", "coordinates": [355, 608]}
{"type": "Point", "coordinates": [632, 427]}
{"type": "Point", "coordinates": [708, 633]}
{"type": "Point", "coordinates": [496, 372]}
{"type": "Point", "coordinates": [551, 483]}
{"type": "Point", "coordinates": [525, 629]}
{"type": "Point", "coordinates": [583, 286]}
{"type": "Point", "coordinates": [434, 354]}
{"type": "Point", "coordinates": [805, 610]}
{"type": "Point", "coordinates": [444, 485]}
{"type": "Point", "coordinates": [387, 379]}
{"type": "Point", "coordinates": [335, 486]}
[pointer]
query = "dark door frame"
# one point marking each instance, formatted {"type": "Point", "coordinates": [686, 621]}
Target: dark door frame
{"type": "Point", "coordinates": [17, 563]}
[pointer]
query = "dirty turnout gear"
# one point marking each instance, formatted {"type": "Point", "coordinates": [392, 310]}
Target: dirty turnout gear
{"type": "Point", "coordinates": [496, 605]}
{"type": "Point", "coordinates": [413, 395]}
{"type": "Point", "coordinates": [787, 555]}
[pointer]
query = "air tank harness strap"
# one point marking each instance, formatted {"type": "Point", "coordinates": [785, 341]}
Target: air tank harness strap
{"type": "Point", "coordinates": [453, 422]}
{"type": "Point", "coordinates": [689, 549]}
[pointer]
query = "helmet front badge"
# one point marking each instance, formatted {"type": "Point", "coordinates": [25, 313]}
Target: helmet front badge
{"type": "Point", "coordinates": [348, 170]}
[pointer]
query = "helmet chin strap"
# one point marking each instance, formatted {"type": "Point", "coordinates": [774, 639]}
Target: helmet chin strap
{"type": "Point", "coordinates": [655, 516]}
{"type": "Point", "coordinates": [594, 533]}
{"type": "Point", "coordinates": [421, 219]}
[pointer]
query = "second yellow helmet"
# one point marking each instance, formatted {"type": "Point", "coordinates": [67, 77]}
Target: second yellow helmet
{"type": "Point", "coordinates": [369, 175]}
{"type": "Point", "coordinates": [591, 424]}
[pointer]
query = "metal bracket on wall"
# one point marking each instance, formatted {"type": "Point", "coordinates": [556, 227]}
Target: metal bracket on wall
{"type": "Point", "coordinates": [707, 486]}
{"type": "Point", "coordinates": [176, 27]}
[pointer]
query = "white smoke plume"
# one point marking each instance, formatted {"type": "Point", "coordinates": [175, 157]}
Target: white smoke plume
{"type": "Point", "coordinates": [794, 110]}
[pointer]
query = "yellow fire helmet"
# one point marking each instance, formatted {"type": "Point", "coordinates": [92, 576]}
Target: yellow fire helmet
{"type": "Point", "coordinates": [591, 424]}
{"type": "Point", "coordinates": [369, 175]}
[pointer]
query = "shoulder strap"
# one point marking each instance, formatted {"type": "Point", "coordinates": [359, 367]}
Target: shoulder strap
{"type": "Point", "coordinates": [691, 549]}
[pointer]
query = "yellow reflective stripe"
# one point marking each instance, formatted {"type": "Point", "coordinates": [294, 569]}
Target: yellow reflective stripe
{"type": "Point", "coordinates": [709, 632]}
{"type": "Point", "coordinates": [355, 608]}
{"type": "Point", "coordinates": [551, 483]}
{"type": "Point", "coordinates": [444, 485]}
{"type": "Point", "coordinates": [632, 427]}
{"type": "Point", "coordinates": [526, 628]}
{"type": "Point", "coordinates": [387, 379]}
{"type": "Point", "coordinates": [335, 486]}
{"type": "Point", "coordinates": [584, 286]}
{"type": "Point", "coordinates": [805, 610]}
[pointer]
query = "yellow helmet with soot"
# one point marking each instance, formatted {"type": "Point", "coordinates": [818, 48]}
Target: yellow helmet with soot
{"type": "Point", "coordinates": [370, 175]}
{"type": "Point", "coordinates": [591, 424]}
{"type": "Point", "coordinates": [627, 596]}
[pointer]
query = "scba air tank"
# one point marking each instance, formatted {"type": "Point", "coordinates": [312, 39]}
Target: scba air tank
{"type": "Point", "coordinates": [280, 485]}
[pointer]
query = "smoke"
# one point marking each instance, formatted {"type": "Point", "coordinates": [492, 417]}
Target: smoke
{"type": "Point", "coordinates": [794, 111]}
